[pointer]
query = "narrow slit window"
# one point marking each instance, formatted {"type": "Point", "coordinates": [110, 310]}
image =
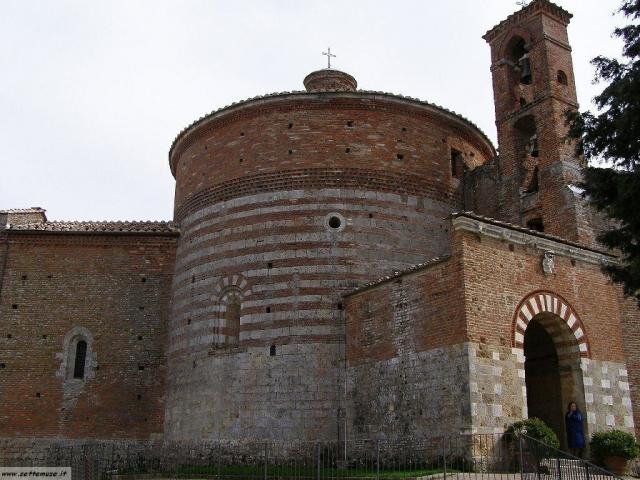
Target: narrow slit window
{"type": "Point", "coordinates": [457, 163]}
{"type": "Point", "coordinates": [81, 356]}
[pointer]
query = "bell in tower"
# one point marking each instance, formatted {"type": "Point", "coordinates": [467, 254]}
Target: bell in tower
{"type": "Point", "coordinates": [525, 69]}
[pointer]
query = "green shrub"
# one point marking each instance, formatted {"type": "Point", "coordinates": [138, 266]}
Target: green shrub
{"type": "Point", "coordinates": [536, 429]}
{"type": "Point", "coordinates": [614, 443]}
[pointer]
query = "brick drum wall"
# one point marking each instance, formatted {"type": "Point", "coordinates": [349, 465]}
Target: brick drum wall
{"type": "Point", "coordinates": [114, 287]}
{"type": "Point", "coordinates": [255, 188]}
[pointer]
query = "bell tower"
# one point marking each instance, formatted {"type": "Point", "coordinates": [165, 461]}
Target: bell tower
{"type": "Point", "coordinates": [533, 87]}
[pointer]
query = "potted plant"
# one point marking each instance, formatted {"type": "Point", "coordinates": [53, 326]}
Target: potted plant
{"type": "Point", "coordinates": [529, 458]}
{"type": "Point", "coordinates": [614, 449]}
{"type": "Point", "coordinates": [536, 429]}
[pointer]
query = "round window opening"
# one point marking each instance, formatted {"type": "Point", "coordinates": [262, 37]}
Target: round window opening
{"type": "Point", "coordinates": [335, 222]}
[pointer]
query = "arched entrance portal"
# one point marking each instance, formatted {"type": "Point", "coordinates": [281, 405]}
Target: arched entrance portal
{"type": "Point", "coordinates": [553, 340]}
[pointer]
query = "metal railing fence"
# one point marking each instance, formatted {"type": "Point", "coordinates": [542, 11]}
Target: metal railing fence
{"type": "Point", "coordinates": [459, 457]}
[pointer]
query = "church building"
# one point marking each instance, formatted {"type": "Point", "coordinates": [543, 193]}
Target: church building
{"type": "Point", "coordinates": [341, 264]}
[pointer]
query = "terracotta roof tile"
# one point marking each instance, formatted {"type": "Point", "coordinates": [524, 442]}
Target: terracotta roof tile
{"type": "Point", "coordinates": [98, 227]}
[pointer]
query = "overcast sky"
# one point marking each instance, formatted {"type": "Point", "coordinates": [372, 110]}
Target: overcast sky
{"type": "Point", "coordinates": [92, 93]}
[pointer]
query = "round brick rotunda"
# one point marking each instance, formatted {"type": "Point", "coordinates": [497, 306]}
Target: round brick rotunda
{"type": "Point", "coordinates": [285, 202]}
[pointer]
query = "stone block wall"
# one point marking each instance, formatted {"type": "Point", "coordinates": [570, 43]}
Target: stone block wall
{"type": "Point", "coordinates": [407, 363]}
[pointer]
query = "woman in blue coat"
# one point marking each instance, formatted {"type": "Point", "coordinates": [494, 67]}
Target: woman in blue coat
{"type": "Point", "coordinates": [575, 433]}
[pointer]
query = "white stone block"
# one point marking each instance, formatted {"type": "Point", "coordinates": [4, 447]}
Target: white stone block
{"type": "Point", "coordinates": [548, 303]}
{"type": "Point", "coordinates": [496, 355]}
{"type": "Point", "coordinates": [611, 421]}
{"type": "Point", "coordinates": [524, 392]}
{"type": "Point", "coordinates": [519, 337]}
{"type": "Point", "coordinates": [497, 389]}
{"type": "Point", "coordinates": [474, 409]}
{"type": "Point", "coordinates": [626, 401]}
{"type": "Point", "coordinates": [591, 418]}
{"type": "Point", "coordinates": [588, 381]}
{"type": "Point", "coordinates": [579, 333]}
{"type": "Point", "coordinates": [563, 310]}
{"type": "Point", "coordinates": [605, 383]}
{"type": "Point", "coordinates": [582, 347]}
{"type": "Point", "coordinates": [622, 372]}
{"type": "Point", "coordinates": [607, 400]}
{"type": "Point", "coordinates": [572, 321]}
{"type": "Point", "coordinates": [497, 371]}
{"type": "Point", "coordinates": [628, 421]}
{"type": "Point", "coordinates": [534, 306]}
{"type": "Point", "coordinates": [526, 312]}
{"type": "Point", "coordinates": [521, 373]}
{"type": "Point", "coordinates": [604, 368]}
{"type": "Point", "coordinates": [624, 386]}
{"type": "Point", "coordinates": [588, 397]}
{"type": "Point", "coordinates": [496, 410]}
{"type": "Point", "coordinates": [473, 386]}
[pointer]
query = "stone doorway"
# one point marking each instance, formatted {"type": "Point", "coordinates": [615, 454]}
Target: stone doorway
{"type": "Point", "coordinates": [542, 377]}
{"type": "Point", "coordinates": [553, 341]}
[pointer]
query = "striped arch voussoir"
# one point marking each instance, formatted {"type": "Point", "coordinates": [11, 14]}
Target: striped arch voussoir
{"type": "Point", "coordinates": [236, 283]}
{"type": "Point", "coordinates": [548, 302]}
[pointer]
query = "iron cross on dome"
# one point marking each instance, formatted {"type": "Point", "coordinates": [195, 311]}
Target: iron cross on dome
{"type": "Point", "coordinates": [329, 55]}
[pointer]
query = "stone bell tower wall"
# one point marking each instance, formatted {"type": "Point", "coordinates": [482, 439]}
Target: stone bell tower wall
{"type": "Point", "coordinates": [284, 203]}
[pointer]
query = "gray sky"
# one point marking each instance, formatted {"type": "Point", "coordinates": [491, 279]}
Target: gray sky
{"type": "Point", "coordinates": [92, 93]}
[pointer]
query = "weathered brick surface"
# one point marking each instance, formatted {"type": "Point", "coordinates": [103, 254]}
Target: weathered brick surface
{"type": "Point", "coordinates": [536, 108]}
{"type": "Point", "coordinates": [287, 203]}
{"type": "Point", "coordinates": [458, 317]}
{"type": "Point", "coordinates": [54, 283]}
{"type": "Point", "coordinates": [631, 340]}
{"type": "Point", "coordinates": [256, 186]}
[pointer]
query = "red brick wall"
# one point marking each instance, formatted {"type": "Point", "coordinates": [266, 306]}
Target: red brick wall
{"type": "Point", "coordinates": [359, 136]}
{"type": "Point", "coordinates": [631, 337]}
{"type": "Point", "coordinates": [544, 28]}
{"type": "Point", "coordinates": [432, 301]}
{"type": "Point", "coordinates": [497, 278]}
{"type": "Point", "coordinates": [52, 283]}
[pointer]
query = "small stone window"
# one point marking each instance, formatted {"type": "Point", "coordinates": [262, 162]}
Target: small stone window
{"type": "Point", "coordinates": [272, 351]}
{"type": "Point", "coordinates": [457, 163]}
{"type": "Point", "coordinates": [334, 222]}
{"type": "Point", "coordinates": [562, 78]}
{"type": "Point", "coordinates": [80, 359]}
{"type": "Point", "coordinates": [536, 224]}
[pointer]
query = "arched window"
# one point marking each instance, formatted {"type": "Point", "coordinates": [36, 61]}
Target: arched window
{"type": "Point", "coordinates": [232, 320]}
{"type": "Point", "coordinates": [80, 359]}
{"type": "Point", "coordinates": [562, 78]}
{"type": "Point", "coordinates": [528, 153]}
{"type": "Point", "coordinates": [519, 57]}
